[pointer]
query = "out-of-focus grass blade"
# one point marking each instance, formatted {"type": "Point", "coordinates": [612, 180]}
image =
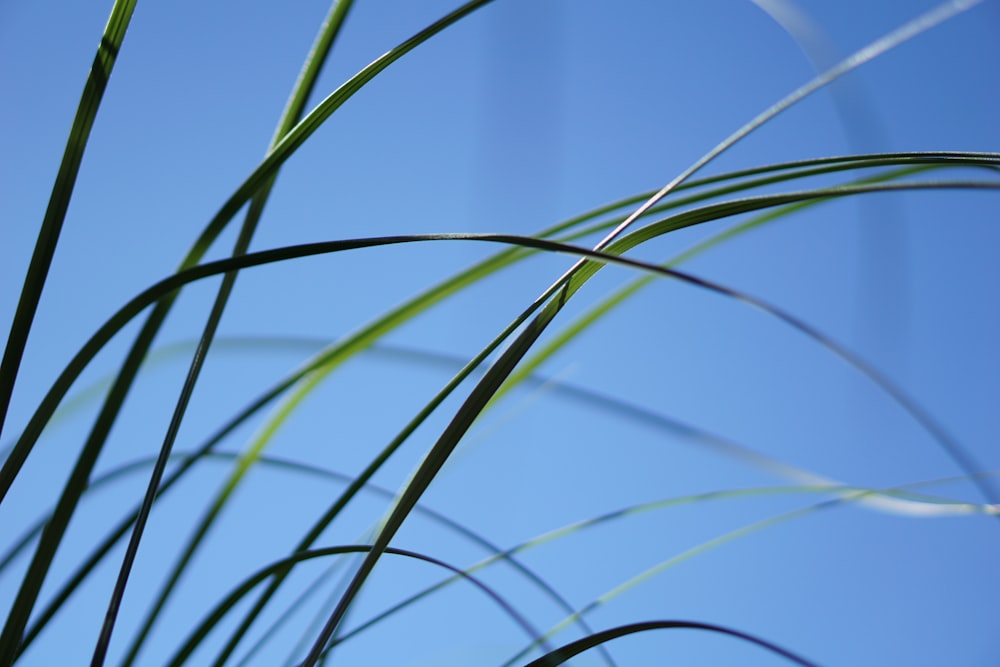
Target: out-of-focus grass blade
{"type": "Point", "coordinates": [62, 190]}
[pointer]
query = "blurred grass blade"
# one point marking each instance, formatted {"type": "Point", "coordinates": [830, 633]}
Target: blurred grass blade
{"type": "Point", "coordinates": [907, 31]}
{"type": "Point", "coordinates": [168, 286]}
{"type": "Point", "coordinates": [62, 190]}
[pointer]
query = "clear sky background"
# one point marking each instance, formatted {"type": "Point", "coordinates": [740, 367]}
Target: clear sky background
{"type": "Point", "coordinates": [521, 115]}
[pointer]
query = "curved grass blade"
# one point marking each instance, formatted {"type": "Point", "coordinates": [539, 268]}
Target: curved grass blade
{"type": "Point", "coordinates": [230, 486]}
{"type": "Point", "coordinates": [226, 604]}
{"type": "Point", "coordinates": [51, 536]}
{"type": "Point", "coordinates": [62, 190]}
{"type": "Point", "coordinates": [561, 655]}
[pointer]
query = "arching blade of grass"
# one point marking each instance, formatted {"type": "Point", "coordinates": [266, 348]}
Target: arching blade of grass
{"type": "Point", "coordinates": [561, 655]}
{"type": "Point", "coordinates": [903, 33]}
{"type": "Point", "coordinates": [225, 605]}
{"type": "Point", "coordinates": [62, 190]}
{"type": "Point", "coordinates": [786, 171]}
{"type": "Point", "coordinates": [294, 109]}
{"type": "Point", "coordinates": [284, 620]}
{"type": "Point", "coordinates": [794, 170]}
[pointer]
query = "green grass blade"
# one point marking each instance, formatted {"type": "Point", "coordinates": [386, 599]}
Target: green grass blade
{"type": "Point", "coordinates": [62, 190]}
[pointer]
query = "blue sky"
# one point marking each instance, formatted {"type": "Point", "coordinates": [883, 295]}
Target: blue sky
{"type": "Point", "coordinates": [521, 115]}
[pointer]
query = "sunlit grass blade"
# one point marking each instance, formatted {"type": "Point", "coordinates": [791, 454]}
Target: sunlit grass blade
{"type": "Point", "coordinates": [62, 190]}
{"type": "Point", "coordinates": [481, 395]}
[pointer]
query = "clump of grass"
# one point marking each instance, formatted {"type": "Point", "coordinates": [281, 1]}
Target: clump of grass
{"type": "Point", "coordinates": [248, 533]}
